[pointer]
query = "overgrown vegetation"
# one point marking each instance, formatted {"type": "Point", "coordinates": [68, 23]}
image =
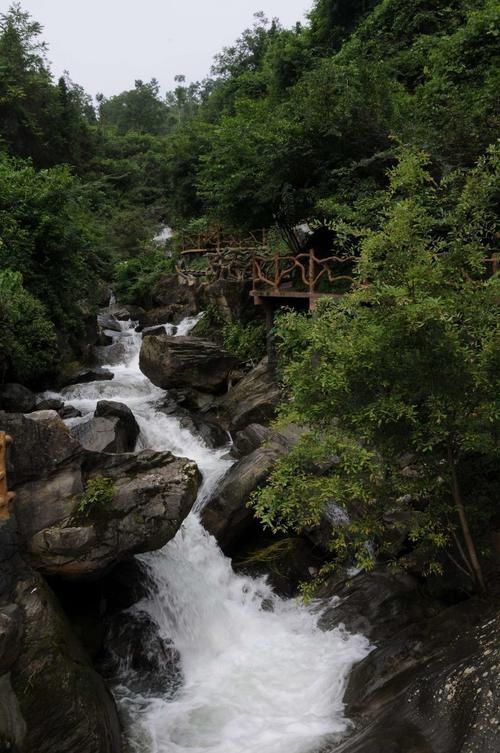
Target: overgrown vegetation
{"type": "Point", "coordinates": [98, 495]}
{"type": "Point", "coordinates": [400, 383]}
{"type": "Point", "coordinates": [378, 117]}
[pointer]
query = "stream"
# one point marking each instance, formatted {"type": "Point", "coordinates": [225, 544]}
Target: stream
{"type": "Point", "coordinates": [258, 675]}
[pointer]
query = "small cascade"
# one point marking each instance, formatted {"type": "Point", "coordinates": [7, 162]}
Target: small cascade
{"type": "Point", "coordinates": [257, 674]}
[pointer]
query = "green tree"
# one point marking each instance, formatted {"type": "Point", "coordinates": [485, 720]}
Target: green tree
{"type": "Point", "coordinates": [28, 345]}
{"type": "Point", "coordinates": [400, 380]}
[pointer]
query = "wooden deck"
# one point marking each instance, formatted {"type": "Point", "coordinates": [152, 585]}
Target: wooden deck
{"type": "Point", "coordinates": [304, 276]}
{"type": "Point", "coordinates": [276, 279]}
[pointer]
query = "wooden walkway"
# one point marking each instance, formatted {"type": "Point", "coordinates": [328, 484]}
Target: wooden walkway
{"type": "Point", "coordinates": [276, 279]}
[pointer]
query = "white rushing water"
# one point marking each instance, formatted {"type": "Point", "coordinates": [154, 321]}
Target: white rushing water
{"type": "Point", "coordinates": [259, 676]}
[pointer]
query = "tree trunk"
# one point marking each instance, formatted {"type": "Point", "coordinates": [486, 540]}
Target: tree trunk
{"type": "Point", "coordinates": [469, 542]}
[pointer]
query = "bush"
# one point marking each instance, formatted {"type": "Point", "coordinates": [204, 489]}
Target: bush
{"type": "Point", "coordinates": [247, 341]}
{"type": "Point", "coordinates": [28, 345]}
{"type": "Point", "coordinates": [135, 278]}
{"type": "Point", "coordinates": [97, 496]}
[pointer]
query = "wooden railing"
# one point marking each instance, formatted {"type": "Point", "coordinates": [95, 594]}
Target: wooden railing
{"type": "Point", "coordinates": [303, 273]}
{"type": "Point", "coordinates": [5, 496]}
{"type": "Point", "coordinates": [216, 240]}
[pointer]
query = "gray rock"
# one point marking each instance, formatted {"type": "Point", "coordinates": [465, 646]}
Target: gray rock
{"type": "Point", "coordinates": [433, 686]}
{"type": "Point", "coordinates": [48, 470]}
{"type": "Point", "coordinates": [249, 439]}
{"type": "Point", "coordinates": [12, 724]}
{"type": "Point", "coordinates": [158, 330]}
{"type": "Point", "coordinates": [43, 415]}
{"type": "Point", "coordinates": [102, 435]}
{"type": "Point", "coordinates": [113, 409]}
{"type": "Point", "coordinates": [153, 493]}
{"type": "Point", "coordinates": [124, 313]}
{"type": "Point", "coordinates": [106, 320]}
{"type": "Point", "coordinates": [69, 412]}
{"type": "Point", "coordinates": [39, 448]}
{"type": "Point", "coordinates": [11, 628]}
{"type": "Point", "coordinates": [186, 362]}
{"type": "Point", "coordinates": [15, 398]}
{"type": "Point", "coordinates": [173, 301]}
{"type": "Point", "coordinates": [226, 515]}
{"type": "Point", "coordinates": [212, 433]}
{"type": "Point", "coordinates": [63, 701]}
{"type": "Point", "coordinates": [376, 604]}
{"type": "Point", "coordinates": [253, 400]}
{"type": "Point", "coordinates": [83, 376]}
{"type": "Point", "coordinates": [50, 404]}
{"type": "Point", "coordinates": [51, 699]}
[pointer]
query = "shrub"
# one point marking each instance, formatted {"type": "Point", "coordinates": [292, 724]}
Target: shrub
{"type": "Point", "coordinates": [247, 341]}
{"type": "Point", "coordinates": [28, 345]}
{"type": "Point", "coordinates": [97, 496]}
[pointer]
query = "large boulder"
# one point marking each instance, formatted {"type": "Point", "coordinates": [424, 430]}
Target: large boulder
{"type": "Point", "coordinates": [16, 399]}
{"type": "Point", "coordinates": [112, 429]}
{"type": "Point", "coordinates": [41, 448]}
{"type": "Point", "coordinates": [126, 313]}
{"type": "Point", "coordinates": [49, 471]}
{"type": "Point", "coordinates": [226, 514]}
{"type": "Point", "coordinates": [186, 362]}
{"type": "Point", "coordinates": [230, 298]}
{"type": "Point", "coordinates": [152, 493]}
{"type": "Point", "coordinates": [173, 300]}
{"type": "Point", "coordinates": [51, 699]}
{"type": "Point", "coordinates": [432, 687]}
{"type": "Point", "coordinates": [105, 320]}
{"type": "Point", "coordinates": [249, 439]}
{"type": "Point", "coordinates": [253, 400]}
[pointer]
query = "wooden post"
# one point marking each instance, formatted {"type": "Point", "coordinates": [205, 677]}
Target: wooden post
{"type": "Point", "coordinates": [5, 496]}
{"type": "Point", "coordinates": [276, 272]}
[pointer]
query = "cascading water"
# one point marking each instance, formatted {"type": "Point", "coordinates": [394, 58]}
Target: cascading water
{"type": "Point", "coordinates": [259, 676]}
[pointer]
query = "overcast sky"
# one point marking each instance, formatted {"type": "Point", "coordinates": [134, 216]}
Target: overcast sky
{"type": "Point", "coordinates": [107, 44]}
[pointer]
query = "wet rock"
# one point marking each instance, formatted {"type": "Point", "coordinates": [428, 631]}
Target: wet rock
{"type": "Point", "coordinates": [124, 313]}
{"type": "Point", "coordinates": [83, 376]}
{"type": "Point", "coordinates": [432, 687]}
{"type": "Point", "coordinates": [226, 515]}
{"type": "Point", "coordinates": [376, 604]}
{"type": "Point", "coordinates": [113, 429]}
{"type": "Point", "coordinates": [173, 300]}
{"type": "Point", "coordinates": [103, 340]}
{"type": "Point", "coordinates": [15, 398]}
{"type": "Point", "coordinates": [159, 330]}
{"type": "Point", "coordinates": [249, 439]}
{"type": "Point", "coordinates": [186, 362]}
{"type": "Point", "coordinates": [40, 448]}
{"type": "Point", "coordinates": [48, 470]}
{"type": "Point", "coordinates": [110, 408]}
{"type": "Point", "coordinates": [253, 400]}
{"type": "Point", "coordinates": [11, 629]}
{"type": "Point", "coordinates": [152, 494]}
{"type": "Point", "coordinates": [51, 699]}
{"type": "Point", "coordinates": [50, 404]}
{"type": "Point", "coordinates": [212, 433]}
{"type": "Point", "coordinates": [69, 412]}
{"type": "Point", "coordinates": [107, 321]}
{"type": "Point", "coordinates": [230, 298]}
{"type": "Point", "coordinates": [137, 654]}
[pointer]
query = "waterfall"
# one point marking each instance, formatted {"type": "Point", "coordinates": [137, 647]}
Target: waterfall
{"type": "Point", "coordinates": [258, 675]}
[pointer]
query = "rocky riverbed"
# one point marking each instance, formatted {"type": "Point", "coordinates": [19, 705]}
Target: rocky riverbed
{"type": "Point", "coordinates": [199, 657]}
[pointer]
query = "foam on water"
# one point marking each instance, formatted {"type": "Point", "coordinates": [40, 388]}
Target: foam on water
{"type": "Point", "coordinates": [259, 675]}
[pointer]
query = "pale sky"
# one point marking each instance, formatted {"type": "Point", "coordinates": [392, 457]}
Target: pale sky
{"type": "Point", "coordinates": [107, 44]}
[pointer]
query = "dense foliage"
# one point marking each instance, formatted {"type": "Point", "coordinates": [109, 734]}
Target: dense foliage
{"type": "Point", "coordinates": [379, 117]}
{"type": "Point", "coordinates": [400, 383]}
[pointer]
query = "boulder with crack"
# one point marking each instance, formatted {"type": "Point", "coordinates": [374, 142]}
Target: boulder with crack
{"type": "Point", "coordinates": [171, 362]}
